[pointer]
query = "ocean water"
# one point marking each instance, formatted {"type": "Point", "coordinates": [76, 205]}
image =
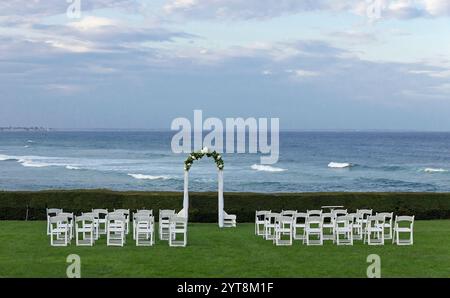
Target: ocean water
{"type": "Point", "coordinates": [309, 162]}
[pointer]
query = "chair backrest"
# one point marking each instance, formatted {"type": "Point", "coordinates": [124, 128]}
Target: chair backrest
{"type": "Point", "coordinates": [314, 212]}
{"type": "Point", "coordinates": [58, 219]}
{"type": "Point", "coordinates": [373, 220]}
{"type": "Point", "coordinates": [144, 211]}
{"type": "Point", "coordinates": [355, 216]}
{"type": "Point", "coordinates": [403, 219]}
{"type": "Point", "coordinates": [283, 220]}
{"type": "Point", "coordinates": [327, 217]}
{"type": "Point", "coordinates": [101, 213]}
{"type": "Point", "coordinates": [85, 217]}
{"type": "Point", "coordinates": [93, 214]}
{"type": "Point", "coordinates": [164, 213]}
{"type": "Point", "coordinates": [68, 215]}
{"type": "Point", "coordinates": [53, 211]}
{"type": "Point", "coordinates": [290, 213]}
{"type": "Point", "coordinates": [344, 220]}
{"type": "Point", "coordinates": [141, 217]}
{"type": "Point", "coordinates": [147, 213]}
{"type": "Point", "coordinates": [365, 212]}
{"type": "Point", "coordinates": [261, 215]}
{"type": "Point", "coordinates": [271, 217]}
{"type": "Point", "coordinates": [300, 215]}
{"type": "Point", "coordinates": [115, 217]}
{"type": "Point", "coordinates": [314, 219]}
{"type": "Point", "coordinates": [123, 211]}
{"type": "Point", "coordinates": [387, 215]}
{"type": "Point", "coordinates": [339, 212]}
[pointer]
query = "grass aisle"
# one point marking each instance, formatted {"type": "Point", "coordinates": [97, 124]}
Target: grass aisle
{"type": "Point", "coordinates": [25, 252]}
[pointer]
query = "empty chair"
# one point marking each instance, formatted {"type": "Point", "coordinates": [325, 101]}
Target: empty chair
{"type": "Point", "coordinates": [70, 220]}
{"type": "Point", "coordinates": [364, 214]}
{"type": "Point", "coordinates": [283, 227]}
{"type": "Point", "coordinates": [178, 226]}
{"type": "Point", "coordinates": [374, 234]}
{"type": "Point", "coordinates": [229, 220]}
{"type": "Point", "coordinates": [100, 215]}
{"type": "Point", "coordinates": [59, 230]}
{"type": "Point", "coordinates": [313, 228]}
{"type": "Point", "coordinates": [298, 225]}
{"type": "Point", "coordinates": [344, 227]}
{"type": "Point", "coordinates": [50, 213]}
{"type": "Point", "coordinates": [388, 218]}
{"type": "Point", "coordinates": [140, 212]}
{"type": "Point", "coordinates": [403, 225]}
{"type": "Point", "coordinates": [328, 226]}
{"type": "Point", "coordinates": [126, 213]}
{"type": "Point", "coordinates": [339, 212]}
{"type": "Point", "coordinates": [96, 224]}
{"type": "Point", "coordinates": [164, 223]}
{"type": "Point", "coordinates": [116, 229]}
{"type": "Point", "coordinates": [357, 226]}
{"type": "Point", "coordinates": [84, 230]}
{"type": "Point", "coordinates": [144, 229]}
{"type": "Point", "coordinates": [269, 225]}
{"type": "Point", "coordinates": [259, 222]}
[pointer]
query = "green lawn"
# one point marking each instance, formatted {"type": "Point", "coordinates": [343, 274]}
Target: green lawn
{"type": "Point", "coordinates": [25, 252]}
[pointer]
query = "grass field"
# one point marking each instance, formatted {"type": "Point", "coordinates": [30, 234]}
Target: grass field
{"type": "Point", "coordinates": [25, 252]}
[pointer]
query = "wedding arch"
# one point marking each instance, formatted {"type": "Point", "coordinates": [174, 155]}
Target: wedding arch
{"type": "Point", "coordinates": [187, 166]}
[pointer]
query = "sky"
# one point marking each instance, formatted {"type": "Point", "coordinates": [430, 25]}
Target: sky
{"type": "Point", "coordinates": [314, 64]}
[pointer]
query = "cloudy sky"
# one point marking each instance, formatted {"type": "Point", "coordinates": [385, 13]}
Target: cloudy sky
{"type": "Point", "coordinates": [315, 64]}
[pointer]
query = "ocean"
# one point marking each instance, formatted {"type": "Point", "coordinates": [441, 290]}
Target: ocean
{"type": "Point", "coordinates": [309, 162]}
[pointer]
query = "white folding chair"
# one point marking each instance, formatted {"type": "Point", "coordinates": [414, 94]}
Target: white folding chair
{"type": "Point", "coordinates": [283, 227]}
{"type": "Point", "coordinates": [116, 229]}
{"type": "Point", "coordinates": [137, 213]}
{"type": "Point", "coordinates": [374, 234]}
{"type": "Point", "coordinates": [344, 227]}
{"type": "Point", "coordinates": [387, 224]}
{"type": "Point", "coordinates": [363, 215]}
{"type": "Point", "coordinates": [164, 223]}
{"type": "Point", "coordinates": [403, 225]}
{"type": "Point", "coordinates": [70, 220]}
{"type": "Point", "coordinates": [313, 228]}
{"type": "Point", "coordinates": [50, 213]}
{"type": "Point", "coordinates": [270, 221]}
{"type": "Point", "coordinates": [328, 225]}
{"type": "Point", "coordinates": [126, 213]}
{"type": "Point", "coordinates": [357, 226]}
{"type": "Point", "coordinates": [178, 226]}
{"type": "Point", "coordinates": [59, 230]}
{"type": "Point", "coordinates": [144, 229]}
{"type": "Point", "coordinates": [100, 215]}
{"type": "Point", "coordinates": [229, 220]}
{"type": "Point", "coordinates": [298, 223]}
{"type": "Point", "coordinates": [96, 225]}
{"type": "Point", "coordinates": [84, 225]}
{"type": "Point", "coordinates": [259, 222]}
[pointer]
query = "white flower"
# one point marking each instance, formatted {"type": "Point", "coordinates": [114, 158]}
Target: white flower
{"type": "Point", "coordinates": [219, 157]}
{"type": "Point", "coordinates": [205, 150]}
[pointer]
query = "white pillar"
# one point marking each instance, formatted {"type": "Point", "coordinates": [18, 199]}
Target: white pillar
{"type": "Point", "coordinates": [220, 208]}
{"type": "Point", "coordinates": [186, 194]}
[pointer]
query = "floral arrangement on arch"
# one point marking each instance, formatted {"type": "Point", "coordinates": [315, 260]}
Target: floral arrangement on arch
{"type": "Point", "coordinates": [200, 154]}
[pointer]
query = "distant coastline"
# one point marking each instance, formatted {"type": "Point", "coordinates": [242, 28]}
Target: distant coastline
{"type": "Point", "coordinates": [24, 128]}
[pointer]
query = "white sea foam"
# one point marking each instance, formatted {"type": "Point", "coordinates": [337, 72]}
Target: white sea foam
{"type": "Point", "coordinates": [148, 177]}
{"type": "Point", "coordinates": [339, 165]}
{"type": "Point", "coordinates": [435, 170]}
{"type": "Point", "coordinates": [33, 164]}
{"type": "Point", "coordinates": [6, 157]}
{"type": "Point", "coordinates": [266, 168]}
{"type": "Point", "coordinates": [70, 167]}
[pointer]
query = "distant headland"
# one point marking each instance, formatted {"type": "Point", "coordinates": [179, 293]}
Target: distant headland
{"type": "Point", "coordinates": [24, 128]}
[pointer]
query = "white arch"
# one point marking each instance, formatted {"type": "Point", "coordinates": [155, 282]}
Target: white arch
{"type": "Point", "coordinates": [185, 210]}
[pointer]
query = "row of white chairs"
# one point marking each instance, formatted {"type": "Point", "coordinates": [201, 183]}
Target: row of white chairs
{"type": "Point", "coordinates": [63, 227]}
{"type": "Point", "coordinates": [314, 227]}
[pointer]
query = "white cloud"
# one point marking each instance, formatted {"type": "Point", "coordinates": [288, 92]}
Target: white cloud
{"type": "Point", "coordinates": [92, 23]}
{"type": "Point", "coordinates": [260, 9]}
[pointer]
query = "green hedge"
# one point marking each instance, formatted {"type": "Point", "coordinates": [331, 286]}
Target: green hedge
{"type": "Point", "coordinates": [203, 206]}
